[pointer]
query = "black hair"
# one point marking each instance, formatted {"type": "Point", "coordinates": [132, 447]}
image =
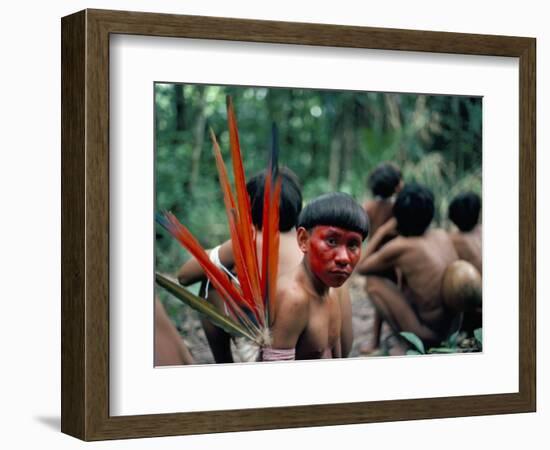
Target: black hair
{"type": "Point", "coordinates": [335, 209]}
{"type": "Point", "coordinates": [384, 179]}
{"type": "Point", "coordinates": [290, 203]}
{"type": "Point", "coordinates": [464, 210]}
{"type": "Point", "coordinates": [413, 209]}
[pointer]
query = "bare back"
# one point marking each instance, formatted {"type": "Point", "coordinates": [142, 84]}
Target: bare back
{"type": "Point", "coordinates": [379, 212]}
{"type": "Point", "coordinates": [468, 246]}
{"type": "Point", "coordinates": [290, 255]}
{"type": "Point", "coordinates": [423, 261]}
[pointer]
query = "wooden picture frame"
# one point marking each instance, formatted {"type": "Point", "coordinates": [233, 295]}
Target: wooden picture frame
{"type": "Point", "coordinates": [85, 224]}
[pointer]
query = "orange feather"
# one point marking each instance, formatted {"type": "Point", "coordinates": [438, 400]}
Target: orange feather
{"type": "Point", "coordinates": [228, 291]}
{"type": "Point", "coordinates": [257, 291]}
{"type": "Point", "coordinates": [243, 205]}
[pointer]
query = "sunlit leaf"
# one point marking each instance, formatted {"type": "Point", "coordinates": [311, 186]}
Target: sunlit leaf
{"type": "Point", "coordinates": [442, 350]}
{"type": "Point", "coordinates": [414, 340]}
{"type": "Point", "coordinates": [453, 339]}
{"type": "Point", "coordinates": [478, 334]}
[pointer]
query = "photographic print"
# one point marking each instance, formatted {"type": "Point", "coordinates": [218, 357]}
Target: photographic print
{"type": "Point", "coordinates": [164, 161]}
{"type": "Point", "coordinates": [309, 224]}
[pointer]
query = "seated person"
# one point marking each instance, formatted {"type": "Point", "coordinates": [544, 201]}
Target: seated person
{"type": "Point", "coordinates": [462, 288]}
{"type": "Point", "coordinates": [289, 256]}
{"type": "Point", "coordinates": [384, 182]}
{"type": "Point", "coordinates": [308, 314]}
{"type": "Point", "coordinates": [422, 256]}
{"type": "Point", "coordinates": [290, 207]}
{"type": "Point", "coordinates": [170, 349]}
{"type": "Point", "coordinates": [464, 213]}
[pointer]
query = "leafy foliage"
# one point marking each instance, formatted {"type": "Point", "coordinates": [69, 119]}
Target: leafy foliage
{"type": "Point", "coordinates": [478, 334]}
{"type": "Point", "coordinates": [458, 342]}
{"type": "Point", "coordinates": [331, 139]}
{"type": "Point", "coordinates": [415, 341]}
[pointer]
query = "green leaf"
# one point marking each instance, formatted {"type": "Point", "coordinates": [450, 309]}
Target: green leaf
{"type": "Point", "coordinates": [202, 306]}
{"type": "Point", "coordinates": [412, 352]}
{"type": "Point", "coordinates": [453, 339]}
{"type": "Point", "coordinates": [478, 334]}
{"type": "Point", "coordinates": [442, 350]}
{"type": "Point", "coordinates": [414, 340]}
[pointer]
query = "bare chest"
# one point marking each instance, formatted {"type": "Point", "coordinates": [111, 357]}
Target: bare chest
{"type": "Point", "coordinates": [321, 338]}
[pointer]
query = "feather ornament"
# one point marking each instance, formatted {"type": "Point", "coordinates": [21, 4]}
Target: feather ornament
{"type": "Point", "coordinates": [250, 302]}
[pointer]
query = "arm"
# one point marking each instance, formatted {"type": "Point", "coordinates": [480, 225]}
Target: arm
{"type": "Point", "coordinates": [290, 322]}
{"type": "Point", "coordinates": [346, 334]}
{"type": "Point", "coordinates": [389, 228]}
{"type": "Point", "coordinates": [191, 271]}
{"type": "Point", "coordinates": [369, 208]}
{"type": "Point", "coordinates": [169, 346]}
{"type": "Point", "coordinates": [383, 259]}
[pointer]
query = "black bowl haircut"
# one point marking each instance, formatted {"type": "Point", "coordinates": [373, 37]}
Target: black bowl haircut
{"type": "Point", "coordinates": [464, 210]}
{"type": "Point", "coordinates": [413, 209]}
{"type": "Point", "coordinates": [290, 203]}
{"type": "Point", "coordinates": [335, 209]}
{"type": "Point", "coordinates": [384, 179]}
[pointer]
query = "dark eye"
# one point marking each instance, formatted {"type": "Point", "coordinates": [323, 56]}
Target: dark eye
{"type": "Point", "coordinates": [353, 246]}
{"type": "Point", "coordinates": [331, 241]}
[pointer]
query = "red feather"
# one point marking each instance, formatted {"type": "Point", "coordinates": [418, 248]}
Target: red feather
{"type": "Point", "coordinates": [257, 291]}
{"type": "Point", "coordinates": [216, 276]}
{"type": "Point", "coordinates": [231, 295]}
{"type": "Point", "coordinates": [246, 237]}
{"type": "Point", "coordinates": [233, 225]}
{"type": "Point", "coordinates": [222, 174]}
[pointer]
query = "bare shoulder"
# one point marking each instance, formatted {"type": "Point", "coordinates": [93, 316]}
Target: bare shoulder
{"type": "Point", "coordinates": [478, 230]}
{"type": "Point", "coordinates": [440, 234]}
{"type": "Point", "coordinates": [397, 244]}
{"type": "Point", "coordinates": [394, 249]}
{"type": "Point", "coordinates": [445, 245]}
{"type": "Point", "coordinates": [456, 237]}
{"type": "Point", "coordinates": [291, 296]}
{"type": "Point", "coordinates": [369, 206]}
{"type": "Point", "coordinates": [291, 313]}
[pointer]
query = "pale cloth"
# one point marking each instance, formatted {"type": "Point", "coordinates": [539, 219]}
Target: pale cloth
{"type": "Point", "coordinates": [278, 354]}
{"type": "Point", "coordinates": [214, 256]}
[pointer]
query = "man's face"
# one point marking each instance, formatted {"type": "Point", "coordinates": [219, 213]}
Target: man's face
{"type": "Point", "coordinates": [332, 252]}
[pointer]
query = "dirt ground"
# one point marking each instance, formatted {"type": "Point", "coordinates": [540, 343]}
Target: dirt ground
{"type": "Point", "coordinates": [362, 312]}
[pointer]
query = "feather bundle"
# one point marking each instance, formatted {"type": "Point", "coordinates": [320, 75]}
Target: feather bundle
{"type": "Point", "coordinates": [249, 303]}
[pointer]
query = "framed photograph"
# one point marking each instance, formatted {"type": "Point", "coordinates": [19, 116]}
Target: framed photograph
{"type": "Point", "coordinates": [452, 114]}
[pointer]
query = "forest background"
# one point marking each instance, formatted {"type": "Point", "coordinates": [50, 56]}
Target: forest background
{"type": "Point", "coordinates": [330, 139]}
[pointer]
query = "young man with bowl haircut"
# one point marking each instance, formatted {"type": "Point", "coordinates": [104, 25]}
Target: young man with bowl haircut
{"type": "Point", "coordinates": [308, 314]}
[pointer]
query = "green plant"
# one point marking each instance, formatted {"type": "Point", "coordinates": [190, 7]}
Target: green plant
{"type": "Point", "coordinates": [458, 342]}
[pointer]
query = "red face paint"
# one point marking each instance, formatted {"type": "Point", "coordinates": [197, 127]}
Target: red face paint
{"type": "Point", "coordinates": [333, 253]}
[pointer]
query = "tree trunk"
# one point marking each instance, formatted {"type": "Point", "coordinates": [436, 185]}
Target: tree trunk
{"type": "Point", "coordinates": [349, 139]}
{"type": "Point", "coordinates": [335, 161]}
{"type": "Point", "coordinates": [198, 139]}
{"type": "Point", "coordinates": [180, 106]}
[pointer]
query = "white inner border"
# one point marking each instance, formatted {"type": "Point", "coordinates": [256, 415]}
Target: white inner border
{"type": "Point", "coordinates": [138, 388]}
